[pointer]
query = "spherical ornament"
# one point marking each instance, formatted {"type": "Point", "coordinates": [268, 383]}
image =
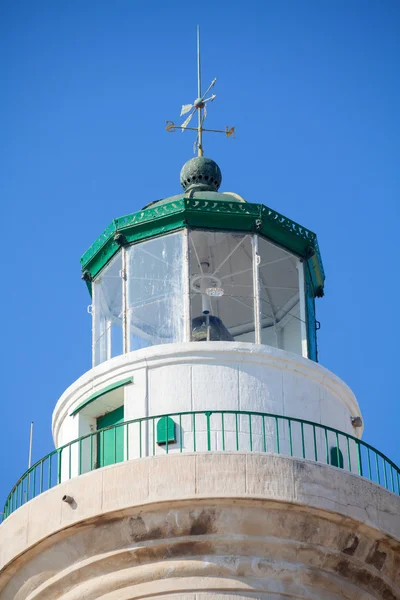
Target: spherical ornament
{"type": "Point", "coordinates": [201, 174]}
{"type": "Point", "coordinates": [199, 103]}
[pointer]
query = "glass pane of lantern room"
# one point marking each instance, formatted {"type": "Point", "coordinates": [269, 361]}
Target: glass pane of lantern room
{"type": "Point", "coordinates": [155, 292]}
{"type": "Point", "coordinates": [279, 298]}
{"type": "Point", "coordinates": [221, 286]}
{"type": "Point", "coordinates": [107, 302]}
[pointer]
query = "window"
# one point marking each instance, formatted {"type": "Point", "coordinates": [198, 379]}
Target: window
{"type": "Point", "coordinates": [155, 292]}
{"type": "Point", "coordinates": [107, 309]}
{"type": "Point", "coordinates": [280, 319]}
{"type": "Point", "coordinates": [221, 286]}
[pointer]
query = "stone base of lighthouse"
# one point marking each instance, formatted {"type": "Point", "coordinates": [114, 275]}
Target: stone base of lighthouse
{"type": "Point", "coordinates": [206, 525]}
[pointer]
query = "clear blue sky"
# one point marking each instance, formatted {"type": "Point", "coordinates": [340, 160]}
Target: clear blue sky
{"type": "Point", "coordinates": [86, 87]}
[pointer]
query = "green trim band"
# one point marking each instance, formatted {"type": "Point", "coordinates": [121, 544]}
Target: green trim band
{"type": "Point", "coordinates": [108, 388]}
{"type": "Point", "coordinates": [206, 214]}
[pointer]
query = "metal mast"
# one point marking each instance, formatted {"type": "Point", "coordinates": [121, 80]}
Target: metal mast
{"type": "Point", "coordinates": [199, 105]}
{"type": "Point", "coordinates": [200, 111]}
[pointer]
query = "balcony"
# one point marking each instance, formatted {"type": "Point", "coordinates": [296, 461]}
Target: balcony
{"type": "Point", "coordinates": [204, 431]}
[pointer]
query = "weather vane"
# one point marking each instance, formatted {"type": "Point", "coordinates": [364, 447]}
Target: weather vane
{"type": "Point", "coordinates": [199, 105]}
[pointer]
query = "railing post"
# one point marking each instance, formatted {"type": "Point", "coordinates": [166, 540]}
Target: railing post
{"type": "Point", "coordinates": [337, 450]}
{"type": "Point", "coordinates": [348, 452]}
{"type": "Point", "coordinates": [369, 464]}
{"type": "Point", "coordinates": [237, 431]}
{"type": "Point", "coordinates": [250, 434]}
{"type": "Point", "coordinates": [208, 416]}
{"type": "Point", "coordinates": [91, 451]}
{"type": "Point", "coordinates": [277, 435]}
{"type": "Point", "coordinates": [59, 453]}
{"type": "Point", "coordinates": [41, 477]}
{"type": "Point", "coordinates": [315, 444]}
{"type": "Point", "coordinates": [49, 473]}
{"type": "Point", "coordinates": [264, 437]}
{"type": "Point", "coordinates": [303, 445]}
{"type": "Point", "coordinates": [326, 445]}
{"type": "Point", "coordinates": [360, 469]}
{"type": "Point", "coordinates": [377, 468]}
{"type": "Point", "coordinates": [290, 436]}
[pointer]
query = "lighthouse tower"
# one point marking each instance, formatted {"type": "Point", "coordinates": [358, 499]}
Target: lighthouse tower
{"type": "Point", "coordinates": [206, 455]}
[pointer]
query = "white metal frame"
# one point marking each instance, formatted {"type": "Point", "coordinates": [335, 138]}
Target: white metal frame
{"type": "Point", "coordinates": [187, 332]}
{"type": "Point", "coordinates": [125, 305]}
{"type": "Point", "coordinates": [303, 309]}
{"type": "Point", "coordinates": [256, 289]}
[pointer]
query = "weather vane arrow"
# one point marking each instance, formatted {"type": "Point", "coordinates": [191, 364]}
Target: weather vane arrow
{"type": "Point", "coordinates": [199, 106]}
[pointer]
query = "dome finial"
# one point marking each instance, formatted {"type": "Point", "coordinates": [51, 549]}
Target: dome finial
{"type": "Point", "coordinates": [201, 174]}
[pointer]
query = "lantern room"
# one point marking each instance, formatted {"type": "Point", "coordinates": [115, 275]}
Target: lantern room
{"type": "Point", "coordinates": [203, 266]}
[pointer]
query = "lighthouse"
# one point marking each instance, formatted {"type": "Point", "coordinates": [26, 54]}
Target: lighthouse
{"type": "Point", "coordinates": [207, 454]}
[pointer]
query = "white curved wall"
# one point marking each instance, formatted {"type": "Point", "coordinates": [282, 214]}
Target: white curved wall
{"type": "Point", "coordinates": [266, 526]}
{"type": "Point", "coordinates": [206, 376]}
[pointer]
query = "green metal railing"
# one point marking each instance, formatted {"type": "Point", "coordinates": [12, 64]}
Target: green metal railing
{"type": "Point", "coordinates": [200, 431]}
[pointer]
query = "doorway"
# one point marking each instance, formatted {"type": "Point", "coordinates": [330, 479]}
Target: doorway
{"type": "Point", "coordinates": [110, 443]}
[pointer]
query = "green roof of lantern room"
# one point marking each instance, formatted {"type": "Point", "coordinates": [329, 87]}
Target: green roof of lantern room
{"type": "Point", "coordinates": [205, 213]}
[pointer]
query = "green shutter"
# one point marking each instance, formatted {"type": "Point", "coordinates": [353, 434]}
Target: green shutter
{"type": "Point", "coordinates": [166, 431]}
{"type": "Point", "coordinates": [336, 457]}
{"type": "Point", "coordinates": [110, 443]}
